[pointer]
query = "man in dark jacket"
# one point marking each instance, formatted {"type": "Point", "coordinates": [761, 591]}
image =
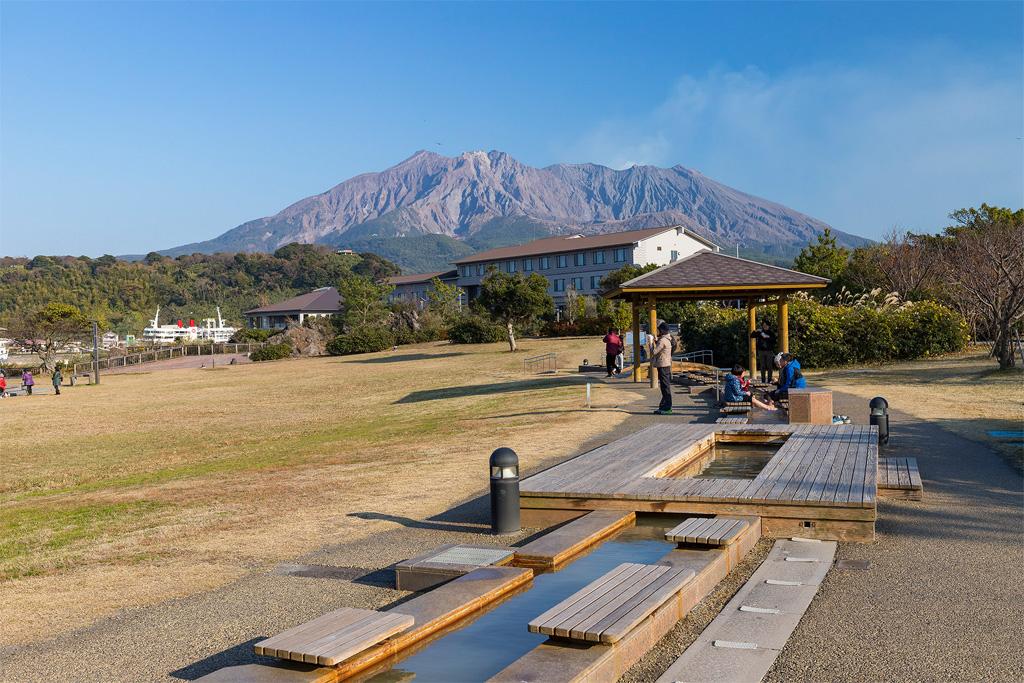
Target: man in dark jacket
{"type": "Point", "coordinates": [765, 341]}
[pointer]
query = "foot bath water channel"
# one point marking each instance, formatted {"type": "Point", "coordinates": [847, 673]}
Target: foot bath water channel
{"type": "Point", "coordinates": [478, 650]}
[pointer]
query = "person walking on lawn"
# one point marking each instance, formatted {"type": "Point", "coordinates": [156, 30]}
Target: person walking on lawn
{"type": "Point", "coordinates": [764, 339]}
{"type": "Point", "coordinates": [27, 381]}
{"type": "Point", "coordinates": [661, 356]}
{"type": "Point", "coordinates": [612, 348]}
{"type": "Point", "coordinates": [57, 379]}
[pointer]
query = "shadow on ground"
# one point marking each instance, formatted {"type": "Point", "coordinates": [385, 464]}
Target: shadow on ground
{"type": "Point", "coordinates": [233, 656]}
{"type": "Point", "coordinates": [491, 389]}
{"type": "Point", "coordinates": [407, 356]}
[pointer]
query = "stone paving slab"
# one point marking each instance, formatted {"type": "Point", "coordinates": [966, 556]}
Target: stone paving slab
{"type": "Point", "coordinates": [704, 662]}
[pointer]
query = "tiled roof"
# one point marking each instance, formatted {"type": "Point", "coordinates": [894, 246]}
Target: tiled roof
{"type": "Point", "coordinates": [562, 243]}
{"type": "Point", "coordinates": [707, 269]}
{"type": "Point", "coordinates": [416, 278]}
{"type": "Point", "coordinates": [323, 300]}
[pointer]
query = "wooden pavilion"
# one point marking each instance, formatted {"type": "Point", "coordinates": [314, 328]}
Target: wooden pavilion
{"type": "Point", "coordinates": [709, 275]}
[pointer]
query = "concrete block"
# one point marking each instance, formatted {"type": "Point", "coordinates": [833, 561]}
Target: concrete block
{"type": "Point", "coordinates": [810, 406]}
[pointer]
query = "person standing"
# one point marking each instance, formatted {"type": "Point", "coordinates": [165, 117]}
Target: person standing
{"type": "Point", "coordinates": [620, 359]}
{"type": "Point", "coordinates": [57, 379]}
{"type": "Point", "coordinates": [661, 359]}
{"type": "Point", "coordinates": [3, 385]}
{"type": "Point", "coordinates": [612, 348]}
{"type": "Point", "coordinates": [27, 381]}
{"type": "Point", "coordinates": [764, 340]}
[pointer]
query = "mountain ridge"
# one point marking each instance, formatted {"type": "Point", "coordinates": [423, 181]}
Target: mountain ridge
{"type": "Point", "coordinates": [481, 198]}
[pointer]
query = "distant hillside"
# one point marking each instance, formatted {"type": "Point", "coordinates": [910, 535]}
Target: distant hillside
{"type": "Point", "coordinates": [127, 293]}
{"type": "Point", "coordinates": [429, 208]}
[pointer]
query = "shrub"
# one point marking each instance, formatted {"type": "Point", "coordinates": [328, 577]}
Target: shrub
{"type": "Point", "coordinates": [247, 334]}
{"type": "Point", "coordinates": [271, 352]}
{"type": "Point", "coordinates": [475, 329]}
{"type": "Point", "coordinates": [368, 339]}
{"type": "Point", "coordinates": [822, 335]}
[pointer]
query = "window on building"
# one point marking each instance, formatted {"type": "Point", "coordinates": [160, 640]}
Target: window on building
{"type": "Point", "coordinates": [659, 248]}
{"type": "Point", "coordinates": [479, 269]}
{"type": "Point", "coordinates": [595, 282]}
{"type": "Point", "coordinates": [559, 285]}
{"type": "Point", "coordinates": [598, 258]}
{"type": "Point", "coordinates": [675, 255]}
{"type": "Point", "coordinates": [545, 262]}
{"type": "Point", "coordinates": [579, 258]}
{"type": "Point", "coordinates": [620, 254]}
{"type": "Point", "coordinates": [561, 261]}
{"type": "Point", "coordinates": [510, 267]}
{"type": "Point", "coordinates": [577, 284]}
{"type": "Point", "coordinates": [527, 264]}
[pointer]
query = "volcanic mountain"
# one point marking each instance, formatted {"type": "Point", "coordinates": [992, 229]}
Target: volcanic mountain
{"type": "Point", "coordinates": [431, 208]}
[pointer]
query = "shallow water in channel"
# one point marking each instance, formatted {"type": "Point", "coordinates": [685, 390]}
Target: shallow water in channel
{"type": "Point", "coordinates": [492, 641]}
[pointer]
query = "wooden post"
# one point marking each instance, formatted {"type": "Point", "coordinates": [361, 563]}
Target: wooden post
{"type": "Point", "coordinates": [784, 325]}
{"type": "Point", "coordinates": [636, 342]}
{"type": "Point", "coordinates": [652, 302]}
{"type": "Point", "coordinates": [751, 342]}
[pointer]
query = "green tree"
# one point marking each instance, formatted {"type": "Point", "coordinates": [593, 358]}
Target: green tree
{"type": "Point", "coordinates": [983, 261]}
{"type": "Point", "coordinates": [51, 328]}
{"type": "Point", "coordinates": [514, 300]}
{"type": "Point", "coordinates": [445, 300]}
{"type": "Point", "coordinates": [375, 267]}
{"type": "Point", "coordinates": [824, 257]}
{"type": "Point", "coordinates": [363, 301]}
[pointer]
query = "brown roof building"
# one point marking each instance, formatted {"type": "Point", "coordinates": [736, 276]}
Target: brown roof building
{"type": "Point", "coordinates": [318, 303]}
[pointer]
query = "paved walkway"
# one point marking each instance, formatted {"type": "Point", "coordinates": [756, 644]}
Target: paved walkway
{"type": "Point", "coordinates": [179, 363]}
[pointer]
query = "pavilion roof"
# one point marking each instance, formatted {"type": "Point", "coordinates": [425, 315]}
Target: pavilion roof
{"type": "Point", "coordinates": [709, 274]}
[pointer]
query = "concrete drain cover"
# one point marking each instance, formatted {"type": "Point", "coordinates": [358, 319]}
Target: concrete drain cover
{"type": "Point", "coordinates": [473, 556]}
{"type": "Point", "coordinates": [859, 565]}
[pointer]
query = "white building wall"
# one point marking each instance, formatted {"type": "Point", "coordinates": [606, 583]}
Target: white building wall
{"type": "Point", "coordinates": [659, 249]}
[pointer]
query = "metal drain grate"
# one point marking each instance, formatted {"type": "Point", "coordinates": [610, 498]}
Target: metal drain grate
{"type": "Point", "coordinates": [473, 556]}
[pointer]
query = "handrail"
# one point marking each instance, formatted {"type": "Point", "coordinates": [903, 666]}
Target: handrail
{"type": "Point", "coordinates": [165, 353]}
{"type": "Point", "coordinates": [547, 362]}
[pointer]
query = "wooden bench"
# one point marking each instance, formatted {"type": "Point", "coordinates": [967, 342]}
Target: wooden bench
{"type": "Point", "coordinates": [899, 478]}
{"type": "Point", "coordinates": [607, 609]}
{"type": "Point", "coordinates": [733, 420]}
{"type": "Point", "coordinates": [334, 637]}
{"type": "Point", "coordinates": [714, 531]}
{"type": "Point", "coordinates": [736, 407]}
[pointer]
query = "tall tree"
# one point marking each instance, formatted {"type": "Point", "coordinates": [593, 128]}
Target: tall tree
{"type": "Point", "coordinates": [363, 301]}
{"type": "Point", "coordinates": [824, 257]}
{"type": "Point", "coordinates": [983, 260]}
{"type": "Point", "coordinates": [445, 300]}
{"type": "Point", "coordinates": [514, 300]}
{"type": "Point", "coordinates": [51, 328]}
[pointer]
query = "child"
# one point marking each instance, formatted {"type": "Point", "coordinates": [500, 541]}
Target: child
{"type": "Point", "coordinates": [27, 381]}
{"type": "Point", "coordinates": [3, 385]}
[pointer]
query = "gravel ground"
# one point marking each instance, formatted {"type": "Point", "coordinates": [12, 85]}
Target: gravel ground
{"type": "Point", "coordinates": [940, 601]}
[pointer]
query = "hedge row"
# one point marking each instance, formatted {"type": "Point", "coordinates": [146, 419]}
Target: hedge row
{"type": "Point", "coordinates": [821, 335]}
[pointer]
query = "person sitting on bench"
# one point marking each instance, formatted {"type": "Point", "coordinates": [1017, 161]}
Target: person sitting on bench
{"type": "Point", "coordinates": [734, 392]}
{"type": "Point", "coordinates": [790, 377]}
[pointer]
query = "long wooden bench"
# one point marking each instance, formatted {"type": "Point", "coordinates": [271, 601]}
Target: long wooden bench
{"type": "Point", "coordinates": [335, 637]}
{"type": "Point", "coordinates": [899, 478]}
{"type": "Point", "coordinates": [713, 531]}
{"type": "Point", "coordinates": [607, 609]}
{"type": "Point", "coordinates": [732, 420]}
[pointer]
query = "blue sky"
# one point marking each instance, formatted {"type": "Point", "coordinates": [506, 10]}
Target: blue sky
{"type": "Point", "coordinates": [131, 127]}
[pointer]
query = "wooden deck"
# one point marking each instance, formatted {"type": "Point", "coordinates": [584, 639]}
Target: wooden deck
{"type": "Point", "coordinates": [334, 637]}
{"type": "Point", "coordinates": [820, 484]}
{"type": "Point", "coordinates": [708, 531]}
{"type": "Point", "coordinates": [899, 478]}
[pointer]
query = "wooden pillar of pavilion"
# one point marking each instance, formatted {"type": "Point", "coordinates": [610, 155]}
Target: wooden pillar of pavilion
{"type": "Point", "coordinates": [751, 341]}
{"type": "Point", "coordinates": [783, 324]}
{"type": "Point", "coordinates": [653, 330]}
{"type": "Point", "coordinates": [636, 341]}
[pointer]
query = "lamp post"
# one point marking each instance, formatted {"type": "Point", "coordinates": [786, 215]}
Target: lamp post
{"type": "Point", "coordinates": [879, 417]}
{"type": "Point", "coordinates": [95, 352]}
{"type": "Point", "coordinates": [504, 465]}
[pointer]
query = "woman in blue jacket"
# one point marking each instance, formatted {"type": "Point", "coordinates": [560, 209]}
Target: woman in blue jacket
{"type": "Point", "coordinates": [790, 377]}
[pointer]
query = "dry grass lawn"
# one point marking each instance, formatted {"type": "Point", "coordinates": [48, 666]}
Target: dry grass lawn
{"type": "Point", "coordinates": [159, 485]}
{"type": "Point", "coordinates": [966, 394]}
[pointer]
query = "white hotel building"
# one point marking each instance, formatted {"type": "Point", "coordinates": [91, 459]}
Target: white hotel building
{"type": "Point", "coordinates": [579, 262]}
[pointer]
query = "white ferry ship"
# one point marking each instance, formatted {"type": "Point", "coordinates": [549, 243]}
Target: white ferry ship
{"type": "Point", "coordinates": [212, 329]}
